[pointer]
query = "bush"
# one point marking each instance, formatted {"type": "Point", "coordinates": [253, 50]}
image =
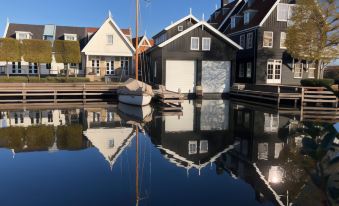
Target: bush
{"type": "Point", "coordinates": [34, 79]}
{"type": "Point", "coordinates": [317, 82]}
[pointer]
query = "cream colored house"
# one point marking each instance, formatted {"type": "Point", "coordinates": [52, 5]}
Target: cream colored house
{"type": "Point", "coordinates": [108, 54]}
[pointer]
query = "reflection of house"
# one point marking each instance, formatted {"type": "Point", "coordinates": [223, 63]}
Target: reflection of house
{"type": "Point", "coordinates": [262, 135]}
{"type": "Point", "coordinates": [108, 132]}
{"type": "Point", "coordinates": [197, 138]}
{"type": "Point", "coordinates": [30, 118]}
{"type": "Point", "coordinates": [110, 142]}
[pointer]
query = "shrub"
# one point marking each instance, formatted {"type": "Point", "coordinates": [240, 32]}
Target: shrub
{"type": "Point", "coordinates": [317, 82]}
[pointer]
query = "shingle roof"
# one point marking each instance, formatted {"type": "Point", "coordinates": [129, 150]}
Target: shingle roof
{"type": "Point", "coordinates": [262, 8]}
{"type": "Point", "coordinates": [221, 16]}
{"type": "Point", "coordinates": [36, 30]}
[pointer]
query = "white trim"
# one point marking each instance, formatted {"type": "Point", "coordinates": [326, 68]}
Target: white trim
{"type": "Point", "coordinates": [180, 28]}
{"type": "Point", "coordinates": [282, 47]}
{"type": "Point", "coordinates": [6, 28]}
{"type": "Point", "coordinates": [108, 54]}
{"type": "Point", "coordinates": [263, 39]}
{"type": "Point", "coordinates": [269, 12]}
{"type": "Point", "coordinates": [229, 14]}
{"type": "Point", "coordinates": [202, 44]}
{"type": "Point", "coordinates": [71, 35]}
{"type": "Point", "coordinates": [201, 23]}
{"type": "Point", "coordinates": [144, 38]}
{"type": "Point", "coordinates": [242, 31]}
{"type": "Point", "coordinates": [190, 16]}
{"type": "Point", "coordinates": [195, 38]}
{"type": "Point", "coordinates": [109, 19]}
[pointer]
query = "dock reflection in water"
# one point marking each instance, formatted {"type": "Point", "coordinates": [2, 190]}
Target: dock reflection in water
{"type": "Point", "coordinates": [218, 152]}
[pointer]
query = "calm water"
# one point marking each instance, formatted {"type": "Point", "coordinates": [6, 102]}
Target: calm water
{"type": "Point", "coordinates": [213, 153]}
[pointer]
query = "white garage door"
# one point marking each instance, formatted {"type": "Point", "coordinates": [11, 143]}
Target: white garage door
{"type": "Point", "coordinates": [216, 76]}
{"type": "Point", "coordinates": [180, 75]}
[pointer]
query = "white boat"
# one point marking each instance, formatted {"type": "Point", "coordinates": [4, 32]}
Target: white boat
{"type": "Point", "coordinates": [135, 93]}
{"type": "Point", "coordinates": [131, 113]}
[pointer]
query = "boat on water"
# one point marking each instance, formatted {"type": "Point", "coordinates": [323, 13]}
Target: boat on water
{"type": "Point", "coordinates": [135, 93]}
{"type": "Point", "coordinates": [132, 114]}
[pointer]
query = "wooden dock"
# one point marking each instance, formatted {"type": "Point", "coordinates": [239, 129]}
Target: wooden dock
{"type": "Point", "coordinates": [297, 95]}
{"type": "Point", "coordinates": [56, 92]}
{"type": "Point", "coordinates": [170, 102]}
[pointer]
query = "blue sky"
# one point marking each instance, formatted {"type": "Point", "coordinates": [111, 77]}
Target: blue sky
{"type": "Point", "coordinates": [154, 15]}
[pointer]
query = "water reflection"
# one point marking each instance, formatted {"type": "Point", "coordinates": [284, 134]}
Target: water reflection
{"type": "Point", "coordinates": [250, 155]}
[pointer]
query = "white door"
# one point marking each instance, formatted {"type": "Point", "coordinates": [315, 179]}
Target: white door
{"type": "Point", "coordinates": [110, 67]}
{"type": "Point", "coordinates": [180, 75]}
{"type": "Point", "coordinates": [96, 66]}
{"type": "Point", "coordinates": [274, 71]}
{"type": "Point", "coordinates": [216, 76]}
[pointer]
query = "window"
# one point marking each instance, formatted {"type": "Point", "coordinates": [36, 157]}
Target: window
{"type": "Point", "coordinates": [203, 146]}
{"type": "Point", "coordinates": [282, 40]}
{"type": "Point", "coordinates": [241, 71]}
{"type": "Point", "coordinates": [19, 67]}
{"type": "Point", "coordinates": [246, 17]}
{"type": "Point", "coordinates": [32, 68]}
{"type": "Point", "coordinates": [110, 67]}
{"type": "Point", "coordinates": [284, 12]}
{"type": "Point", "coordinates": [13, 68]}
{"type": "Point", "coordinates": [192, 147]}
{"type": "Point", "coordinates": [50, 117]}
{"type": "Point", "coordinates": [263, 151]}
{"type": "Point", "coordinates": [195, 43]}
{"type": "Point", "coordinates": [110, 143]}
{"type": "Point", "coordinates": [206, 44]}
{"type": "Point", "coordinates": [70, 37]}
{"type": "Point", "coordinates": [232, 22]}
{"type": "Point", "coordinates": [48, 38]}
{"type": "Point", "coordinates": [48, 66]}
{"type": "Point", "coordinates": [242, 40]}
{"type": "Point", "coordinates": [23, 35]}
{"type": "Point", "coordinates": [249, 70]}
{"type": "Point", "coordinates": [109, 39]}
{"type": "Point", "coordinates": [125, 65]}
{"type": "Point", "coordinates": [180, 28]}
{"type": "Point", "coordinates": [311, 73]}
{"type": "Point", "coordinates": [298, 70]}
{"type": "Point", "coordinates": [268, 39]}
{"type": "Point", "coordinates": [249, 44]}
{"type": "Point", "coordinates": [73, 65]}
{"type": "Point", "coordinates": [271, 123]}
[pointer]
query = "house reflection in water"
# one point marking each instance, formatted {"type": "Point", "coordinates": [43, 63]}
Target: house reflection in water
{"type": "Point", "coordinates": [198, 137]}
{"type": "Point", "coordinates": [42, 130]}
{"type": "Point", "coordinates": [108, 133]}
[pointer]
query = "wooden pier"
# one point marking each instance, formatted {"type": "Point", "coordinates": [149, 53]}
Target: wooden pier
{"type": "Point", "coordinates": [56, 92]}
{"type": "Point", "coordinates": [170, 102]}
{"type": "Point", "coordinates": [298, 95]}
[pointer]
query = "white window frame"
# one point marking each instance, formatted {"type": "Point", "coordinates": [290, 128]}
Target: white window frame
{"type": "Point", "coordinates": [33, 68]}
{"type": "Point", "coordinates": [249, 42]}
{"type": "Point", "coordinates": [110, 67]}
{"type": "Point", "coordinates": [243, 41]}
{"type": "Point", "coordinates": [298, 74]}
{"type": "Point", "coordinates": [249, 70]}
{"type": "Point", "coordinates": [280, 15]}
{"type": "Point", "coordinates": [70, 37]}
{"type": "Point", "coordinates": [203, 146]}
{"type": "Point", "coordinates": [194, 149]}
{"type": "Point", "coordinates": [241, 70]}
{"type": "Point", "coordinates": [272, 38]}
{"type": "Point", "coordinates": [311, 75]}
{"type": "Point", "coordinates": [198, 44]}
{"type": "Point", "coordinates": [109, 39]}
{"type": "Point", "coordinates": [232, 22]}
{"type": "Point", "coordinates": [283, 40]}
{"type": "Point", "coordinates": [180, 28]}
{"type": "Point", "coordinates": [246, 18]}
{"type": "Point", "coordinates": [208, 46]}
{"type": "Point", "coordinates": [28, 35]}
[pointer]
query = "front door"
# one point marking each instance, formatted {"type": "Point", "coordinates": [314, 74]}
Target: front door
{"type": "Point", "coordinates": [274, 71]}
{"type": "Point", "coordinates": [96, 66]}
{"type": "Point", "coordinates": [109, 67]}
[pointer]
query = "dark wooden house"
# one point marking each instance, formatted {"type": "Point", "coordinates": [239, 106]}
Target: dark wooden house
{"type": "Point", "coordinates": [259, 26]}
{"type": "Point", "coordinates": [191, 53]}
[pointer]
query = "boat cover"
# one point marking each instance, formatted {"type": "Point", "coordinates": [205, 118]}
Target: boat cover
{"type": "Point", "coordinates": [135, 87]}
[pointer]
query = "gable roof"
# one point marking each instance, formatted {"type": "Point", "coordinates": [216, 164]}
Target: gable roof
{"type": "Point", "coordinates": [233, 8]}
{"type": "Point", "coordinates": [141, 39]}
{"type": "Point", "coordinates": [205, 24]}
{"type": "Point", "coordinates": [190, 16]}
{"type": "Point", "coordinates": [122, 35]}
{"type": "Point", "coordinates": [264, 10]}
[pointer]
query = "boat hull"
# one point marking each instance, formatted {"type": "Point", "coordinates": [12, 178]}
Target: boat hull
{"type": "Point", "coordinates": [138, 100]}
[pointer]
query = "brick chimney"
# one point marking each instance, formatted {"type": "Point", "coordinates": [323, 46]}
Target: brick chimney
{"type": "Point", "coordinates": [224, 2]}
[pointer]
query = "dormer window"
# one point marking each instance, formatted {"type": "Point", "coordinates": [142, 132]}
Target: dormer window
{"type": "Point", "coordinates": [20, 35]}
{"type": "Point", "coordinates": [234, 21]}
{"type": "Point", "coordinates": [284, 12]}
{"type": "Point", "coordinates": [70, 37]}
{"type": "Point", "coordinates": [248, 15]}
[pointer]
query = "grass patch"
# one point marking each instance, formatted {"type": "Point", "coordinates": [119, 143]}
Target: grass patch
{"type": "Point", "coordinates": [33, 79]}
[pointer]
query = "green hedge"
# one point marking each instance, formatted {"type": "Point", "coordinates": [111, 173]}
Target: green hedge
{"type": "Point", "coordinates": [317, 82]}
{"type": "Point", "coordinates": [24, 79]}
